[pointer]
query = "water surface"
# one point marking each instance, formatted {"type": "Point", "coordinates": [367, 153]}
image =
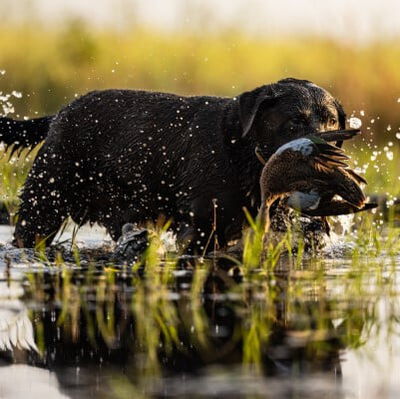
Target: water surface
{"type": "Point", "coordinates": [323, 327]}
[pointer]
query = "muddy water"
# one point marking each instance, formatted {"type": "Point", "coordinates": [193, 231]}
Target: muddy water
{"type": "Point", "coordinates": [325, 328]}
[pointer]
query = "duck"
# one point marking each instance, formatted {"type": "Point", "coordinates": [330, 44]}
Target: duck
{"type": "Point", "coordinates": [309, 174]}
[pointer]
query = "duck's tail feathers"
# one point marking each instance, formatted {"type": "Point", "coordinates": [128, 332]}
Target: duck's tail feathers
{"type": "Point", "coordinates": [355, 176]}
{"type": "Point", "coordinates": [338, 207]}
{"type": "Point", "coordinates": [348, 187]}
{"type": "Point", "coordinates": [328, 156]}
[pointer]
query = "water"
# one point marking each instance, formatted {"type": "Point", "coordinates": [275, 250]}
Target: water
{"type": "Point", "coordinates": [320, 328]}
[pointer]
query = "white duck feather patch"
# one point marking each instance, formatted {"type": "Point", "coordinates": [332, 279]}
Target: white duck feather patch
{"type": "Point", "coordinates": [301, 201]}
{"type": "Point", "coordinates": [303, 145]}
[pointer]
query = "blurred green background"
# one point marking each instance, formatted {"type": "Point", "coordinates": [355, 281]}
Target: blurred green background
{"type": "Point", "coordinates": [49, 63]}
{"type": "Point", "coordinates": [50, 58]}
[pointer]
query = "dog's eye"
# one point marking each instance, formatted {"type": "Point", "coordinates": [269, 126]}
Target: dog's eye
{"type": "Point", "coordinates": [332, 121]}
{"type": "Point", "coordinates": [298, 120]}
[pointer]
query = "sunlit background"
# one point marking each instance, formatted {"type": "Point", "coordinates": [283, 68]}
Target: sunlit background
{"type": "Point", "coordinates": [52, 50]}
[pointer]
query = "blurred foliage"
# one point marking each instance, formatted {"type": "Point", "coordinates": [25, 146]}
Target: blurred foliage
{"type": "Point", "coordinates": [49, 66]}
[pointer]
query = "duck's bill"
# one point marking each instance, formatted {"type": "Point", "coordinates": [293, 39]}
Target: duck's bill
{"type": "Point", "coordinates": [339, 135]}
{"type": "Point", "coordinates": [337, 208]}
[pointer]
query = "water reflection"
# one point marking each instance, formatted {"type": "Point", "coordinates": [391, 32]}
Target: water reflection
{"type": "Point", "coordinates": [203, 332]}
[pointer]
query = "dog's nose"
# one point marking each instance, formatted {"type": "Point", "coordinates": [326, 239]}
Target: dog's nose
{"type": "Point", "coordinates": [317, 126]}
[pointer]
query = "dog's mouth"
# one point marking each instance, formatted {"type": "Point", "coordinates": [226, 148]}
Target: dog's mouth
{"type": "Point", "coordinates": [337, 136]}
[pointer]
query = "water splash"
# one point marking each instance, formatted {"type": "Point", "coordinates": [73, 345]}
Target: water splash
{"type": "Point", "coordinates": [336, 243]}
{"type": "Point", "coordinates": [355, 123]}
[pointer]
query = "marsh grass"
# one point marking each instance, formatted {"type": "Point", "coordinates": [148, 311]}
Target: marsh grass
{"type": "Point", "coordinates": [262, 252]}
{"type": "Point", "coordinates": [14, 168]}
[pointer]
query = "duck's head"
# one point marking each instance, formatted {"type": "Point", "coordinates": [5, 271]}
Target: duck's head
{"type": "Point", "coordinates": [275, 114]}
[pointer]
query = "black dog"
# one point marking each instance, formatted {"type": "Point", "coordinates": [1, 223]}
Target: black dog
{"type": "Point", "coordinates": [118, 156]}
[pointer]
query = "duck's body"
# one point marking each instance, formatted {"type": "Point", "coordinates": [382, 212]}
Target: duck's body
{"type": "Point", "coordinates": [310, 172]}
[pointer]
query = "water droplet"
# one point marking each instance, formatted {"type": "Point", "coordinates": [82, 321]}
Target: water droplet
{"type": "Point", "coordinates": [355, 123]}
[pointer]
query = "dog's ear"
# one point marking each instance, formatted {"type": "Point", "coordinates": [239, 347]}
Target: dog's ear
{"type": "Point", "coordinates": [250, 102]}
{"type": "Point", "coordinates": [341, 114]}
{"type": "Point", "coordinates": [342, 120]}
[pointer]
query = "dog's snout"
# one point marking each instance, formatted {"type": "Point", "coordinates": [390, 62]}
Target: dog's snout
{"type": "Point", "coordinates": [316, 126]}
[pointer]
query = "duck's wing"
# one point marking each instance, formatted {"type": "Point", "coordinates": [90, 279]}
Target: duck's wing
{"type": "Point", "coordinates": [326, 156]}
{"type": "Point", "coordinates": [339, 135]}
{"type": "Point", "coordinates": [355, 176]}
{"type": "Point", "coordinates": [347, 187]}
{"type": "Point", "coordinates": [339, 182]}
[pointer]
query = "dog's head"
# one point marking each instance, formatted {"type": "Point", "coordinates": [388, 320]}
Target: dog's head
{"type": "Point", "coordinates": [275, 114]}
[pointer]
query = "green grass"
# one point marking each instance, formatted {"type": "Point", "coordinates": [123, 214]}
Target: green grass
{"type": "Point", "coordinates": [13, 172]}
